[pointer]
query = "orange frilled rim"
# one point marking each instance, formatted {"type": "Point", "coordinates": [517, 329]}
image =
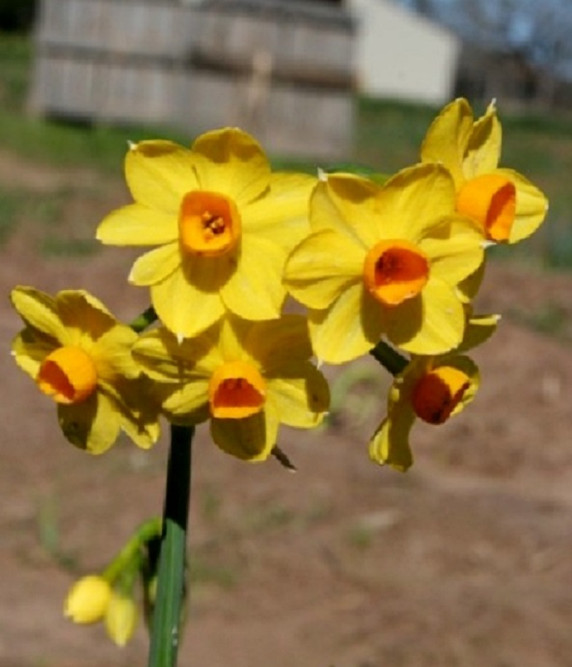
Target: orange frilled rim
{"type": "Point", "coordinates": [394, 271]}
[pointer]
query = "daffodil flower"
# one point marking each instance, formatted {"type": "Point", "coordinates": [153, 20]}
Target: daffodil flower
{"type": "Point", "coordinates": [247, 377]}
{"type": "Point", "coordinates": [80, 356]}
{"type": "Point", "coordinates": [506, 205]}
{"type": "Point", "coordinates": [432, 389]}
{"type": "Point", "coordinates": [384, 260]}
{"type": "Point", "coordinates": [222, 222]}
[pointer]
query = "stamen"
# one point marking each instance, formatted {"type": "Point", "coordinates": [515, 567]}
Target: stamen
{"type": "Point", "coordinates": [394, 271]}
{"type": "Point", "coordinates": [209, 223]}
{"type": "Point", "coordinates": [68, 375]}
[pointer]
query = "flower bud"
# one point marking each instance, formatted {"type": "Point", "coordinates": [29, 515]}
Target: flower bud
{"type": "Point", "coordinates": [88, 599]}
{"type": "Point", "coordinates": [121, 618]}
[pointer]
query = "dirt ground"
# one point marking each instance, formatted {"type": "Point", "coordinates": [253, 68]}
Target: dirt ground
{"type": "Point", "coordinates": [464, 561]}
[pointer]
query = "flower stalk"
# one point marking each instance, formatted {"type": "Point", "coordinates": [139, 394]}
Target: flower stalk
{"type": "Point", "coordinates": [165, 633]}
{"type": "Point", "coordinates": [390, 359]}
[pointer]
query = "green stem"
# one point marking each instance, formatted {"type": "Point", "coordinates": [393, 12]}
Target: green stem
{"type": "Point", "coordinates": [147, 531]}
{"type": "Point", "coordinates": [171, 579]}
{"type": "Point", "coordinates": [389, 358]}
{"type": "Point", "coordinates": [145, 319]}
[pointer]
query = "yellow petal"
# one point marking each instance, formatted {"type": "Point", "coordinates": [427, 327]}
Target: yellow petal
{"type": "Point", "coordinates": [184, 309]}
{"type": "Point", "coordinates": [531, 206]}
{"type": "Point", "coordinates": [165, 359]}
{"type": "Point", "coordinates": [467, 289]}
{"type": "Point", "coordinates": [139, 405]}
{"type": "Point", "coordinates": [155, 265]}
{"type": "Point", "coordinates": [432, 323]}
{"type": "Point", "coordinates": [350, 327]}
{"type": "Point", "coordinates": [414, 200]}
{"type": "Point", "coordinates": [232, 162]}
{"type": "Point", "coordinates": [30, 348]}
{"type": "Point", "coordinates": [448, 136]}
{"type": "Point", "coordinates": [137, 225]}
{"type": "Point", "coordinates": [249, 439]}
{"type": "Point", "coordinates": [111, 353]}
{"type": "Point", "coordinates": [84, 315]}
{"type": "Point", "coordinates": [189, 402]}
{"type": "Point", "coordinates": [302, 398]}
{"type": "Point", "coordinates": [255, 290]}
{"type": "Point", "coordinates": [456, 252]}
{"type": "Point", "coordinates": [159, 173]}
{"type": "Point", "coordinates": [275, 344]}
{"type": "Point", "coordinates": [92, 425]}
{"type": "Point", "coordinates": [484, 145]}
{"type": "Point", "coordinates": [281, 215]}
{"type": "Point", "coordinates": [390, 443]}
{"type": "Point", "coordinates": [479, 328]}
{"type": "Point", "coordinates": [39, 310]}
{"type": "Point", "coordinates": [348, 204]}
{"type": "Point", "coordinates": [322, 266]}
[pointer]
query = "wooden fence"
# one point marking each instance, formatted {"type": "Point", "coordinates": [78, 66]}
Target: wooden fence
{"type": "Point", "coordinates": [281, 70]}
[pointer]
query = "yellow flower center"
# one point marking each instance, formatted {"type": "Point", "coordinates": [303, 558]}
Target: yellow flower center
{"type": "Point", "coordinates": [209, 223]}
{"type": "Point", "coordinates": [68, 375]}
{"type": "Point", "coordinates": [438, 393]}
{"type": "Point", "coordinates": [489, 199]}
{"type": "Point", "coordinates": [236, 390]}
{"type": "Point", "coordinates": [395, 271]}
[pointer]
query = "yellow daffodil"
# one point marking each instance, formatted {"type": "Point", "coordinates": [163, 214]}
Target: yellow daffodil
{"type": "Point", "coordinates": [223, 224]}
{"type": "Point", "coordinates": [384, 260]}
{"type": "Point", "coordinates": [432, 389]}
{"type": "Point", "coordinates": [506, 205]}
{"type": "Point", "coordinates": [88, 599]}
{"type": "Point", "coordinates": [247, 377]}
{"type": "Point", "coordinates": [80, 356]}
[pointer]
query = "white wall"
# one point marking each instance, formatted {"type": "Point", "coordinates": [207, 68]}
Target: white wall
{"type": "Point", "coordinates": [401, 55]}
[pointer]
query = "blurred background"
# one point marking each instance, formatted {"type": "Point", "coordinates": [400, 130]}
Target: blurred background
{"type": "Point", "coordinates": [465, 560]}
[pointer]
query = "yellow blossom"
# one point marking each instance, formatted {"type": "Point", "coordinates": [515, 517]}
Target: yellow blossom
{"type": "Point", "coordinates": [247, 377]}
{"type": "Point", "coordinates": [432, 389]}
{"type": "Point", "coordinates": [80, 356]}
{"type": "Point", "coordinates": [384, 260]}
{"type": "Point", "coordinates": [121, 618]}
{"type": "Point", "coordinates": [88, 599]}
{"type": "Point", "coordinates": [222, 223]}
{"type": "Point", "coordinates": [506, 205]}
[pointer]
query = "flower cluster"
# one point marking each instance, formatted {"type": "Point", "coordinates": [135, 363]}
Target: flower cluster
{"type": "Point", "coordinates": [383, 266]}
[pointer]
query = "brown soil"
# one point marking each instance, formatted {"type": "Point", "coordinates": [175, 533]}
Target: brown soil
{"type": "Point", "coordinates": [464, 561]}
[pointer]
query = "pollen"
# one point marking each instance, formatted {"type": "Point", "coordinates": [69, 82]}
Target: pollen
{"type": "Point", "coordinates": [209, 224]}
{"type": "Point", "coordinates": [236, 390]}
{"type": "Point", "coordinates": [68, 375]}
{"type": "Point", "coordinates": [438, 393]}
{"type": "Point", "coordinates": [394, 271]}
{"type": "Point", "coordinates": [489, 199]}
